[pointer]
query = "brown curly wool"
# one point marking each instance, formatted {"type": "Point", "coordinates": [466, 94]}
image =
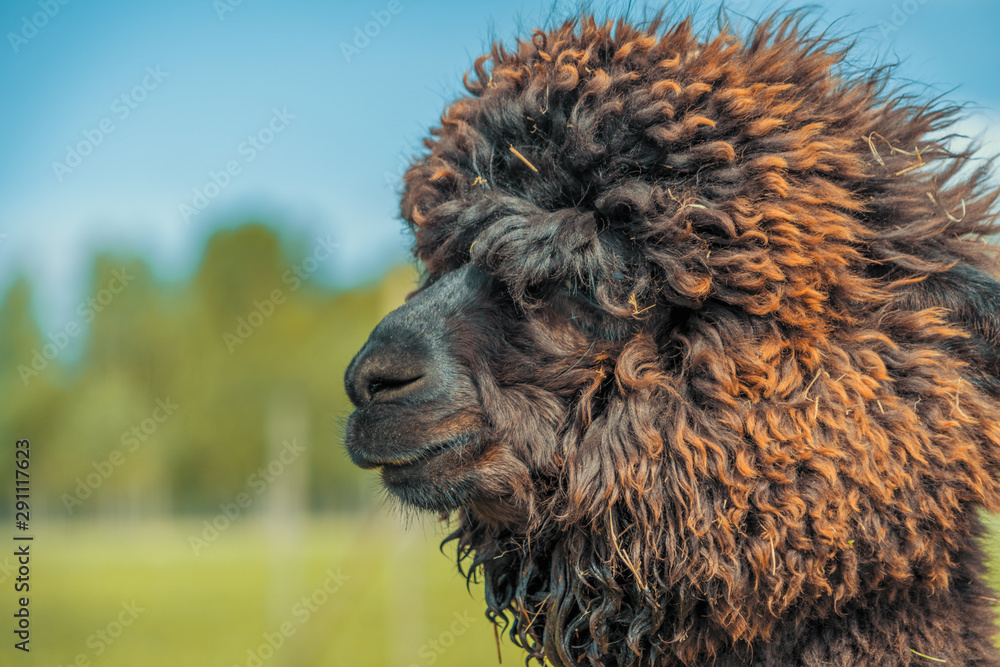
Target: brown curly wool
{"type": "Point", "coordinates": [731, 352]}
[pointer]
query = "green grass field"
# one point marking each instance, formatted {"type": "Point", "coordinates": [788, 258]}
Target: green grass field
{"type": "Point", "coordinates": [396, 601]}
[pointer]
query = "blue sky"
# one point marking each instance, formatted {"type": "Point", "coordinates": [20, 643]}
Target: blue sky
{"type": "Point", "coordinates": [201, 78]}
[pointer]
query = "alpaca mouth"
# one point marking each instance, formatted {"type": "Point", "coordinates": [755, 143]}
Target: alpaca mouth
{"type": "Point", "coordinates": [398, 471]}
{"type": "Point", "coordinates": [370, 448]}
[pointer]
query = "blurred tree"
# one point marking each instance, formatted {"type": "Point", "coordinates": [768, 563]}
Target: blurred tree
{"type": "Point", "coordinates": [185, 392]}
{"type": "Point", "coordinates": [32, 380]}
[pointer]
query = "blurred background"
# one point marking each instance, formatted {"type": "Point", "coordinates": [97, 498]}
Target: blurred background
{"type": "Point", "coordinates": [198, 229]}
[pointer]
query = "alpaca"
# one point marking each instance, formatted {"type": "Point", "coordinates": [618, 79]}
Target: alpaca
{"type": "Point", "coordinates": [705, 366]}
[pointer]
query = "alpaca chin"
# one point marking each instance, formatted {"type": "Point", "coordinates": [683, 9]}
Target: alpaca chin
{"type": "Point", "coordinates": [439, 479]}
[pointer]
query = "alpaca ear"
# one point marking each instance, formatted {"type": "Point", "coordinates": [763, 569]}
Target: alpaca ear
{"type": "Point", "coordinates": [970, 299]}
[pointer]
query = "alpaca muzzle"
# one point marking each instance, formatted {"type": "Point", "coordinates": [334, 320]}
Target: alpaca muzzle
{"type": "Point", "coordinates": [416, 408]}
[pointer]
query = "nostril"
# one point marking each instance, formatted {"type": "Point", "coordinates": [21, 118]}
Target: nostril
{"type": "Point", "coordinates": [389, 371]}
{"type": "Point", "coordinates": [387, 385]}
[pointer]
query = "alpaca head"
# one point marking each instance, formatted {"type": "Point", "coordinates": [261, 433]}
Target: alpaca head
{"type": "Point", "coordinates": [656, 322]}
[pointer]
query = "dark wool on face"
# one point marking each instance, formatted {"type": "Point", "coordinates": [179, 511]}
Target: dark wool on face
{"type": "Point", "coordinates": [706, 364]}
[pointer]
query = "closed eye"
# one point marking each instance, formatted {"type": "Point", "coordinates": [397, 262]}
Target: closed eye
{"type": "Point", "coordinates": [582, 294]}
{"type": "Point", "coordinates": [578, 304]}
